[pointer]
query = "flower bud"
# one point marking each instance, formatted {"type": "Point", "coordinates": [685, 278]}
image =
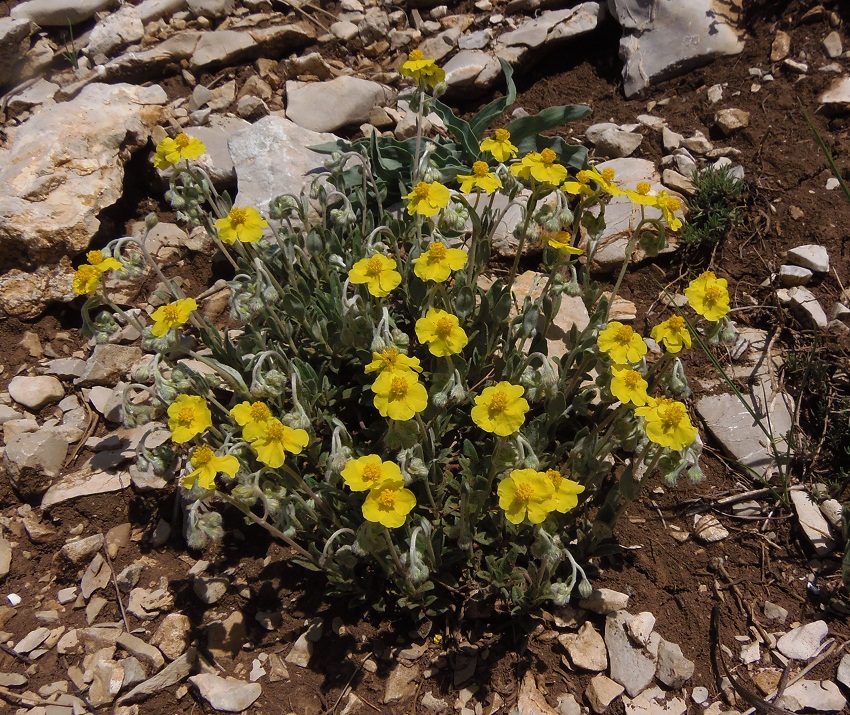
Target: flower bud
{"type": "Point", "coordinates": [585, 588]}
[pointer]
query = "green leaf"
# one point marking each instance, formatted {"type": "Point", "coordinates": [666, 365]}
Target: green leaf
{"type": "Point", "coordinates": [459, 128]}
{"type": "Point", "coordinates": [481, 121]}
{"type": "Point", "coordinates": [547, 119]}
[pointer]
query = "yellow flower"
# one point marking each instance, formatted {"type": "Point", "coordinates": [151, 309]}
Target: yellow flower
{"type": "Point", "coordinates": [709, 296]}
{"type": "Point", "coordinates": [398, 395]}
{"type": "Point", "coordinates": [103, 263]}
{"type": "Point", "coordinates": [437, 263]}
{"type": "Point", "coordinates": [389, 504]}
{"type": "Point", "coordinates": [667, 423]}
{"type": "Point", "coordinates": [427, 199]}
{"type": "Point", "coordinates": [621, 343]}
{"type": "Point", "coordinates": [541, 166]}
{"type": "Point", "coordinates": [628, 385]}
{"type": "Point", "coordinates": [274, 439]}
{"type": "Point", "coordinates": [526, 492]}
{"type": "Point", "coordinates": [170, 151]}
{"type": "Point", "coordinates": [378, 273]}
{"type": "Point", "coordinates": [500, 146]}
{"type": "Point", "coordinates": [442, 332]}
{"type": "Point", "coordinates": [207, 465]}
{"type": "Point", "coordinates": [663, 201]}
{"type": "Point", "coordinates": [369, 472]}
{"type": "Point", "coordinates": [173, 315]}
{"type": "Point", "coordinates": [582, 185]}
{"type": "Point", "coordinates": [422, 69]}
{"type": "Point", "coordinates": [563, 243]}
{"type": "Point", "coordinates": [241, 224]}
{"type": "Point", "coordinates": [391, 360]}
{"type": "Point", "coordinates": [500, 409]}
{"type": "Point", "coordinates": [566, 491]}
{"type": "Point", "coordinates": [188, 416]}
{"type": "Point", "coordinates": [480, 178]}
{"type": "Point", "coordinates": [87, 276]}
{"type": "Point", "coordinates": [673, 332]}
{"type": "Point", "coordinates": [86, 279]}
{"type": "Point", "coordinates": [251, 417]}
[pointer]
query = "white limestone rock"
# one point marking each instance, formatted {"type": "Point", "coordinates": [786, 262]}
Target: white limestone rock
{"type": "Point", "coordinates": [804, 642]}
{"type": "Point", "coordinates": [811, 256]}
{"type": "Point", "coordinates": [555, 26]}
{"type": "Point", "coordinates": [34, 392]}
{"type": "Point", "coordinates": [226, 694]}
{"type": "Point", "coordinates": [47, 13]}
{"type": "Point", "coordinates": [586, 648]}
{"type": "Point", "coordinates": [837, 97]}
{"type": "Point", "coordinates": [813, 523]}
{"type": "Point", "coordinates": [805, 305]}
{"type": "Point", "coordinates": [731, 120]}
{"type": "Point", "coordinates": [85, 482]}
{"type": "Point", "coordinates": [601, 692]}
{"type": "Point", "coordinates": [791, 276]}
{"type": "Point", "coordinates": [65, 165]}
{"type": "Point", "coordinates": [844, 670]}
{"type": "Point", "coordinates": [472, 70]}
{"type": "Point", "coordinates": [14, 43]}
{"type": "Point", "coordinates": [674, 669]}
{"type": "Point", "coordinates": [272, 157]}
{"type": "Point", "coordinates": [665, 38]}
{"type": "Point", "coordinates": [115, 31]}
{"type": "Point", "coordinates": [708, 529]}
{"type": "Point", "coordinates": [632, 667]}
{"type": "Point", "coordinates": [341, 102]}
{"type": "Point", "coordinates": [604, 601]}
{"type": "Point", "coordinates": [820, 696]}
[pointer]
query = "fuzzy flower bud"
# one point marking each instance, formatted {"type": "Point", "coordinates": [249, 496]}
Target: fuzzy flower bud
{"type": "Point", "coordinates": [560, 593]}
{"type": "Point", "coordinates": [585, 588]}
{"type": "Point", "coordinates": [280, 206]}
{"type": "Point", "coordinates": [566, 217]}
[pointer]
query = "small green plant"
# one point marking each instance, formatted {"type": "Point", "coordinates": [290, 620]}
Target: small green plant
{"type": "Point", "coordinates": [715, 208]}
{"type": "Point", "coordinates": [71, 53]}
{"type": "Point", "coordinates": [387, 410]}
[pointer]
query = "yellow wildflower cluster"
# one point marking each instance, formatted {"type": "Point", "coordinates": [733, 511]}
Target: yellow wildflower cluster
{"type": "Point", "coordinates": [527, 493]}
{"type": "Point", "coordinates": [388, 502]}
{"type": "Point", "coordinates": [422, 69]}
{"type": "Point", "coordinates": [170, 152]}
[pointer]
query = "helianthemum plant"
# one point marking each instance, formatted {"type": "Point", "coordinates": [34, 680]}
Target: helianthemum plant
{"type": "Point", "coordinates": [381, 409]}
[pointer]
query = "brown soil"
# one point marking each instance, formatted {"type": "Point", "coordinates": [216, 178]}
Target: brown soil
{"type": "Point", "coordinates": [677, 582]}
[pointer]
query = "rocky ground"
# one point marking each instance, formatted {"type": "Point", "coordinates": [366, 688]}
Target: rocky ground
{"type": "Point", "coordinates": [105, 608]}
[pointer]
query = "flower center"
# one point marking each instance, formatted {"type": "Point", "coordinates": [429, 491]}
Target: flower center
{"type": "Point", "coordinates": [182, 140]}
{"type": "Point", "coordinates": [713, 294]}
{"type": "Point", "coordinates": [502, 135]}
{"type": "Point", "coordinates": [374, 267]}
{"type": "Point", "coordinates": [643, 188]}
{"type": "Point", "coordinates": [95, 257]}
{"type": "Point", "coordinates": [624, 334]}
{"type": "Point", "coordinates": [631, 378]}
{"type": "Point", "coordinates": [547, 156]}
{"type": "Point", "coordinates": [480, 168]}
{"type": "Point", "coordinates": [259, 412]}
{"type": "Point", "coordinates": [668, 202]}
{"type": "Point", "coordinates": [422, 190]}
{"type": "Point", "coordinates": [676, 323]}
{"type": "Point", "coordinates": [86, 272]}
{"type": "Point", "coordinates": [389, 356]}
{"type": "Point", "coordinates": [186, 415]}
{"type": "Point", "coordinates": [608, 174]}
{"type": "Point", "coordinates": [274, 431]}
{"type": "Point", "coordinates": [671, 416]}
{"type": "Point", "coordinates": [555, 477]}
{"type": "Point", "coordinates": [398, 388]}
{"type": "Point", "coordinates": [498, 402]}
{"type": "Point", "coordinates": [524, 492]}
{"type": "Point", "coordinates": [387, 499]}
{"type": "Point", "coordinates": [202, 455]}
{"type": "Point", "coordinates": [443, 327]}
{"type": "Point", "coordinates": [583, 177]}
{"type": "Point", "coordinates": [238, 216]}
{"type": "Point", "coordinates": [371, 472]}
{"type": "Point", "coordinates": [436, 252]}
{"type": "Point", "coordinates": [416, 56]}
{"type": "Point", "coordinates": [171, 312]}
